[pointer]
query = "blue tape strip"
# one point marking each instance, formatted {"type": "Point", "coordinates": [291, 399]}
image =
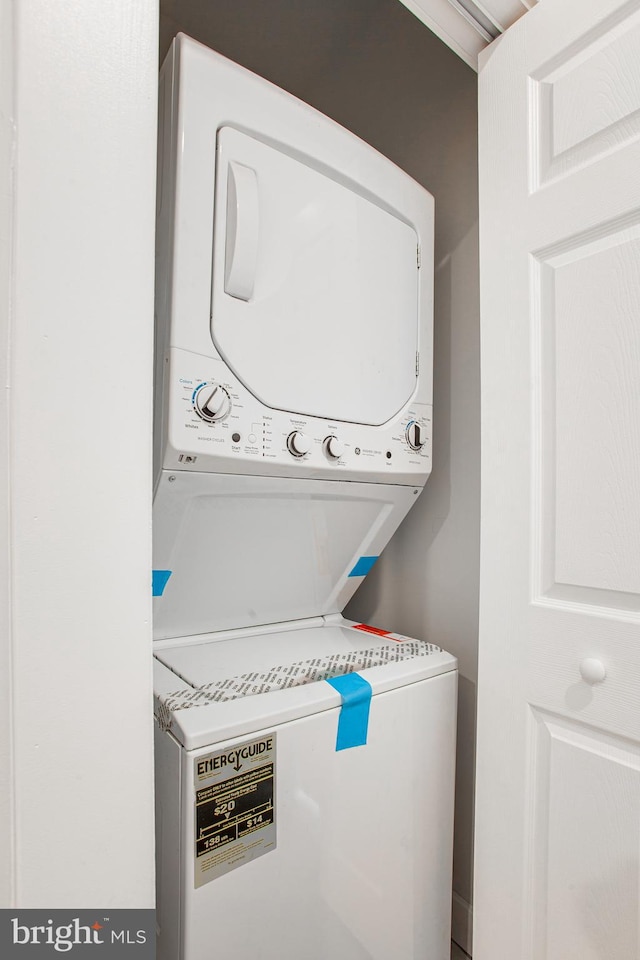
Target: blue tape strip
{"type": "Point", "coordinates": [363, 566]}
{"type": "Point", "coordinates": [159, 580]}
{"type": "Point", "coordinates": [353, 722]}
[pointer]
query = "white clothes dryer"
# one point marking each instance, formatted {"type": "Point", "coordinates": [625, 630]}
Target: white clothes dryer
{"type": "Point", "coordinates": [305, 764]}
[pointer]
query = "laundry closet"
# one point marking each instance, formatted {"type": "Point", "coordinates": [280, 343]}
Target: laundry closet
{"type": "Point", "coordinates": [559, 667]}
{"type": "Point", "coordinates": [560, 574]}
{"type": "Point", "coordinates": [349, 62]}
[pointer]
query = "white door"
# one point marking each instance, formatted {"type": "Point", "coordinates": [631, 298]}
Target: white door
{"type": "Point", "coordinates": [315, 287]}
{"type": "Point", "coordinates": [558, 767]}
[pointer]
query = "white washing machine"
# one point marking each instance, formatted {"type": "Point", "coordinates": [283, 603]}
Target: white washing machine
{"type": "Point", "coordinates": [305, 764]}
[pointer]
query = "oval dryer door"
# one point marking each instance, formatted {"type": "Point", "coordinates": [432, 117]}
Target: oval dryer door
{"type": "Point", "coordinates": [315, 287]}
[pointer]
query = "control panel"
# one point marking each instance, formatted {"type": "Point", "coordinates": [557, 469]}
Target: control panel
{"type": "Point", "coordinates": [212, 423]}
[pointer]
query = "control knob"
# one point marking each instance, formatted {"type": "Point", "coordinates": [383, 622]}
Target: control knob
{"type": "Point", "coordinates": [212, 402]}
{"type": "Point", "coordinates": [333, 447]}
{"type": "Point", "coordinates": [414, 435]}
{"type": "Point", "coordinates": [298, 443]}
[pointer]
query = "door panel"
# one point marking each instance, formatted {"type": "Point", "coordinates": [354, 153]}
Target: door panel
{"type": "Point", "coordinates": [588, 414]}
{"type": "Point", "coordinates": [597, 70]}
{"type": "Point", "coordinates": [315, 287]}
{"type": "Point", "coordinates": [583, 865]}
{"type": "Point", "coordinates": [558, 802]}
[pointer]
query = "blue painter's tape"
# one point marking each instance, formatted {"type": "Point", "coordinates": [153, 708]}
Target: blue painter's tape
{"type": "Point", "coordinates": [159, 580]}
{"type": "Point", "coordinates": [363, 566]}
{"type": "Point", "coordinates": [353, 722]}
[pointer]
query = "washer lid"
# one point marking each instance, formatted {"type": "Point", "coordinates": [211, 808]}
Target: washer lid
{"type": "Point", "coordinates": [231, 685]}
{"type": "Point", "coordinates": [285, 656]}
{"type": "Point", "coordinates": [244, 551]}
{"type": "Point", "coordinates": [315, 287]}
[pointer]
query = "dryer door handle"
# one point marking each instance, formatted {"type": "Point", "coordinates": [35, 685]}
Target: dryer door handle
{"type": "Point", "coordinates": [241, 252]}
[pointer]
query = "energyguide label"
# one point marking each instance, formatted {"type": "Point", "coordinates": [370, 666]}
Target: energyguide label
{"type": "Point", "coordinates": [234, 807]}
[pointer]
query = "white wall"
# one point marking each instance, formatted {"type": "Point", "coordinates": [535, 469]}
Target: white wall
{"type": "Point", "coordinates": [376, 69]}
{"type": "Point", "coordinates": [75, 340]}
{"type": "Point", "coordinates": [76, 324]}
{"type": "Point", "coordinates": [7, 876]}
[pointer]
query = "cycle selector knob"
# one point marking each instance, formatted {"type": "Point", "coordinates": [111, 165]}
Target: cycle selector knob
{"type": "Point", "coordinates": [212, 402]}
{"type": "Point", "coordinates": [415, 435]}
{"type": "Point", "coordinates": [298, 443]}
{"type": "Point", "coordinates": [333, 448]}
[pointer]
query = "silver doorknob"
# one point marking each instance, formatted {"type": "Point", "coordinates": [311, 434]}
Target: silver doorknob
{"type": "Point", "coordinates": [592, 671]}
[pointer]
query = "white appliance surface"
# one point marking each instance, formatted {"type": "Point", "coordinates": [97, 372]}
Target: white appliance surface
{"type": "Point", "coordinates": [293, 434]}
{"type": "Point", "coordinates": [185, 667]}
{"type": "Point", "coordinates": [320, 252]}
{"type": "Point", "coordinates": [245, 551]}
{"type": "Point", "coordinates": [294, 287]}
{"type": "Point", "coordinates": [223, 656]}
{"type": "Point", "coordinates": [361, 866]}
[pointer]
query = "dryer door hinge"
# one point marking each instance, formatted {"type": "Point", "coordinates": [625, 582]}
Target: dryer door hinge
{"type": "Point", "coordinates": [417, 364]}
{"type": "Point", "coordinates": [419, 256]}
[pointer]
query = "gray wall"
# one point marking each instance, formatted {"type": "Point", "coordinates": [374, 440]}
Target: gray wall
{"type": "Point", "coordinates": [373, 67]}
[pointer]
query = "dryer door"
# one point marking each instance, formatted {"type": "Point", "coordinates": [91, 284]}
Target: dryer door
{"type": "Point", "coordinates": [315, 288]}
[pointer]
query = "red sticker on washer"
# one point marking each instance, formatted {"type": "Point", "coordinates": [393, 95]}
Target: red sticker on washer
{"type": "Point", "coordinates": [368, 629]}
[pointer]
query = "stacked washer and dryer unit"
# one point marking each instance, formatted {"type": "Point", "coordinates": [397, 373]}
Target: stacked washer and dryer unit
{"type": "Point", "coordinates": [304, 763]}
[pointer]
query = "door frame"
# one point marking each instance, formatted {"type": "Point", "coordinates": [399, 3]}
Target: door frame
{"type": "Point", "coordinates": [77, 163]}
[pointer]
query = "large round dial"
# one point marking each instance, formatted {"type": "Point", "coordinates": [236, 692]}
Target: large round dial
{"type": "Point", "coordinates": [298, 443]}
{"type": "Point", "coordinates": [415, 436]}
{"type": "Point", "coordinates": [333, 447]}
{"type": "Point", "coordinates": [212, 402]}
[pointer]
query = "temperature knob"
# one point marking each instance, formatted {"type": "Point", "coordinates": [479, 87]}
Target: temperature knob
{"type": "Point", "coordinates": [298, 443]}
{"type": "Point", "coordinates": [212, 402]}
{"type": "Point", "coordinates": [414, 435]}
{"type": "Point", "coordinates": [334, 448]}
